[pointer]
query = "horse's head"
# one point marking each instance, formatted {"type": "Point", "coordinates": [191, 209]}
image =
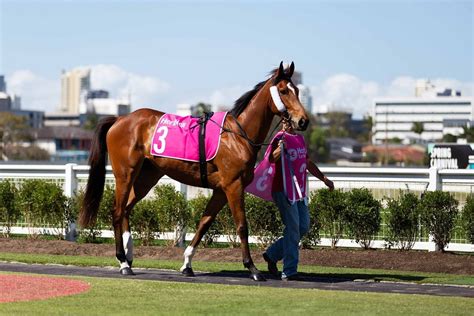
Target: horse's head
{"type": "Point", "coordinates": [286, 102]}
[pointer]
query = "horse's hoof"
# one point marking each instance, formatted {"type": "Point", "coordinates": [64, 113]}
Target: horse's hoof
{"type": "Point", "coordinates": [188, 272]}
{"type": "Point", "coordinates": [257, 277]}
{"type": "Point", "coordinates": [126, 271]}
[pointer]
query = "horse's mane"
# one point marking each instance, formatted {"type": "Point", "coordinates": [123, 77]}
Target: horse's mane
{"type": "Point", "coordinates": [244, 100]}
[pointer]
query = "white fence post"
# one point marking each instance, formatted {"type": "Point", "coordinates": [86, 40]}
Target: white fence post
{"type": "Point", "coordinates": [434, 185]}
{"type": "Point", "coordinates": [70, 186]}
{"type": "Point", "coordinates": [70, 182]}
{"type": "Point", "coordinates": [435, 180]}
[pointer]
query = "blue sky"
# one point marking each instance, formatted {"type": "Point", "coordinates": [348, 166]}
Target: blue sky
{"type": "Point", "coordinates": [168, 52]}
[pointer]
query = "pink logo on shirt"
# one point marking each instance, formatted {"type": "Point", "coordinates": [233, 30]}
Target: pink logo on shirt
{"type": "Point", "coordinates": [178, 137]}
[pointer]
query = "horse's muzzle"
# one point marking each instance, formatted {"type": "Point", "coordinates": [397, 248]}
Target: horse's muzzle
{"type": "Point", "coordinates": [303, 124]}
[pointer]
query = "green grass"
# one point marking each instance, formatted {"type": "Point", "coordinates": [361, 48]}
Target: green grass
{"type": "Point", "coordinates": [136, 297]}
{"type": "Point", "coordinates": [346, 273]}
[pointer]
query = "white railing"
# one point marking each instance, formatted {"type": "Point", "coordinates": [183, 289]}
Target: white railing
{"type": "Point", "coordinates": [383, 182]}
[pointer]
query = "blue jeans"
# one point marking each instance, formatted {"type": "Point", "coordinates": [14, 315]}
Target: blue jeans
{"type": "Point", "coordinates": [296, 220]}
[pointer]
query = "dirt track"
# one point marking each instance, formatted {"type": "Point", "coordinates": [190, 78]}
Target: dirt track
{"type": "Point", "coordinates": [235, 278]}
{"type": "Point", "coordinates": [421, 261]}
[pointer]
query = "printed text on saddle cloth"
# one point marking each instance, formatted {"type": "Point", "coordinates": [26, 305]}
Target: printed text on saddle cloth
{"type": "Point", "coordinates": [178, 137]}
{"type": "Point", "coordinates": [293, 170]}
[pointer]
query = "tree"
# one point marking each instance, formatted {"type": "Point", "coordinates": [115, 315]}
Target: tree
{"type": "Point", "coordinates": [200, 108]}
{"type": "Point", "coordinates": [318, 147]}
{"type": "Point", "coordinates": [368, 124]}
{"type": "Point", "coordinates": [91, 121]}
{"type": "Point", "coordinates": [449, 138]}
{"type": "Point", "coordinates": [468, 133]}
{"type": "Point", "coordinates": [13, 128]}
{"type": "Point", "coordinates": [418, 128]}
{"type": "Point", "coordinates": [338, 124]}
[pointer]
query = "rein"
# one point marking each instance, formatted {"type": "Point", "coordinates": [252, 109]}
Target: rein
{"type": "Point", "coordinates": [243, 133]}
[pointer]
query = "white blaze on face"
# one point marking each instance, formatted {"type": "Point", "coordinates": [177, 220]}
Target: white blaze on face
{"type": "Point", "coordinates": [128, 245]}
{"type": "Point", "coordinates": [290, 86]}
{"type": "Point", "coordinates": [188, 257]}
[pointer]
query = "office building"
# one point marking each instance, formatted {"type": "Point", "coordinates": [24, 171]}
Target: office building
{"type": "Point", "coordinates": [74, 85]}
{"type": "Point", "coordinates": [3, 85]}
{"type": "Point", "coordinates": [438, 111]}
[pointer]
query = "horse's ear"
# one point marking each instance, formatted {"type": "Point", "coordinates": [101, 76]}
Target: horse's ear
{"type": "Point", "coordinates": [280, 72]}
{"type": "Point", "coordinates": [291, 70]}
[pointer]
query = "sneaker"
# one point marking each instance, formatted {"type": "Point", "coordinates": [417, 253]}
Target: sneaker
{"type": "Point", "coordinates": [272, 266]}
{"type": "Point", "coordinates": [294, 277]}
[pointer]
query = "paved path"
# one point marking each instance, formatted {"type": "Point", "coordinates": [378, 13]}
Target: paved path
{"type": "Point", "coordinates": [236, 278]}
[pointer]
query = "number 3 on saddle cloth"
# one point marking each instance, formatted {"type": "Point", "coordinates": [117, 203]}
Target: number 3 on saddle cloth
{"type": "Point", "coordinates": [178, 137]}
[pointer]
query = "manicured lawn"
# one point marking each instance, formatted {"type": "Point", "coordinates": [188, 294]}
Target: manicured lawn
{"type": "Point", "coordinates": [347, 273]}
{"type": "Point", "coordinates": [135, 297]}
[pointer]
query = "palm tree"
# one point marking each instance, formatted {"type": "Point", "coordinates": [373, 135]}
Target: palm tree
{"type": "Point", "coordinates": [418, 128]}
{"type": "Point", "coordinates": [468, 133]}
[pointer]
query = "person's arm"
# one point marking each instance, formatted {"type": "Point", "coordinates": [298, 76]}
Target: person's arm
{"type": "Point", "coordinates": [314, 170]}
{"type": "Point", "coordinates": [276, 152]}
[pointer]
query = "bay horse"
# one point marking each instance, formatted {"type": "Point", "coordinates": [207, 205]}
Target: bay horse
{"type": "Point", "coordinates": [127, 139]}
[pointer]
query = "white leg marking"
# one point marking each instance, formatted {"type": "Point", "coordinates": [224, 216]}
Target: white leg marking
{"type": "Point", "coordinates": [124, 265]}
{"type": "Point", "coordinates": [188, 257]}
{"type": "Point", "coordinates": [128, 245]}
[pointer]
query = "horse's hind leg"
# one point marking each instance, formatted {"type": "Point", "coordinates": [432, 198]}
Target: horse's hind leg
{"type": "Point", "coordinates": [216, 203]}
{"type": "Point", "coordinates": [132, 184]}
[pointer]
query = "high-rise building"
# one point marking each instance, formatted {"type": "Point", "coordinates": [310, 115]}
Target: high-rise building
{"type": "Point", "coordinates": [3, 85]}
{"type": "Point", "coordinates": [16, 102]}
{"type": "Point", "coordinates": [436, 113]}
{"type": "Point", "coordinates": [304, 91]}
{"type": "Point", "coordinates": [5, 102]}
{"type": "Point", "coordinates": [74, 85]}
{"type": "Point", "coordinates": [305, 97]}
{"type": "Point", "coordinates": [297, 78]}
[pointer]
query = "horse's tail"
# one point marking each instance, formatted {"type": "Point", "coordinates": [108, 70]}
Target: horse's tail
{"type": "Point", "coordinates": [96, 181]}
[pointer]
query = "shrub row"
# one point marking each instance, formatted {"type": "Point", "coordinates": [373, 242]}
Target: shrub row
{"type": "Point", "coordinates": [358, 214]}
{"type": "Point", "coordinates": [336, 213]}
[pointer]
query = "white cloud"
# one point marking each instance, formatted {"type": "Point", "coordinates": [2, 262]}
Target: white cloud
{"type": "Point", "coordinates": [226, 97]}
{"type": "Point", "coordinates": [348, 92]}
{"type": "Point", "coordinates": [146, 91]}
{"type": "Point", "coordinates": [36, 92]}
{"type": "Point", "coordinates": [44, 94]}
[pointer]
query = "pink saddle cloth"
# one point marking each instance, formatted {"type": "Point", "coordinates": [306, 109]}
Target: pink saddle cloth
{"type": "Point", "coordinates": [178, 137]}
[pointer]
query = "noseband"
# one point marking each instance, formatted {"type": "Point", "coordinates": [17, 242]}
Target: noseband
{"type": "Point", "coordinates": [279, 103]}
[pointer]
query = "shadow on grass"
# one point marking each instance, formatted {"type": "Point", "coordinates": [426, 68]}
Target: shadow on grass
{"type": "Point", "coordinates": [327, 277]}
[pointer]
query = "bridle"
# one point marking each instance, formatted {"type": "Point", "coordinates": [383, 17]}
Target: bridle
{"type": "Point", "coordinates": [276, 98]}
{"type": "Point", "coordinates": [284, 117]}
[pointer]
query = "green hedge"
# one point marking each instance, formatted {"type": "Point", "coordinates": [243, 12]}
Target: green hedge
{"type": "Point", "coordinates": [403, 219]}
{"type": "Point", "coordinates": [468, 218]}
{"type": "Point", "coordinates": [438, 214]}
{"type": "Point", "coordinates": [9, 211]}
{"type": "Point", "coordinates": [328, 213]}
{"type": "Point", "coordinates": [42, 204]}
{"type": "Point", "coordinates": [356, 214]}
{"type": "Point", "coordinates": [362, 216]}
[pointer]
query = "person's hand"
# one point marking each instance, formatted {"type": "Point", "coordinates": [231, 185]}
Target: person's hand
{"type": "Point", "coordinates": [277, 152]}
{"type": "Point", "coordinates": [328, 183]}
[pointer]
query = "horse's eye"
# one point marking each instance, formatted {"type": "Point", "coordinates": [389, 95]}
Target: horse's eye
{"type": "Point", "coordinates": [284, 91]}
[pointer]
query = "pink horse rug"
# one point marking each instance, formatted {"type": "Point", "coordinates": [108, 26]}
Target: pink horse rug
{"type": "Point", "coordinates": [178, 137]}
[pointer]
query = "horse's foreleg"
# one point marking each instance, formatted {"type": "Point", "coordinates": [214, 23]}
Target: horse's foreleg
{"type": "Point", "coordinates": [216, 203]}
{"type": "Point", "coordinates": [235, 197]}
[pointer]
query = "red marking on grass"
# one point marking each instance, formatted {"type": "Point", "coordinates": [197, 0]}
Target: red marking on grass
{"type": "Point", "coordinates": [14, 288]}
